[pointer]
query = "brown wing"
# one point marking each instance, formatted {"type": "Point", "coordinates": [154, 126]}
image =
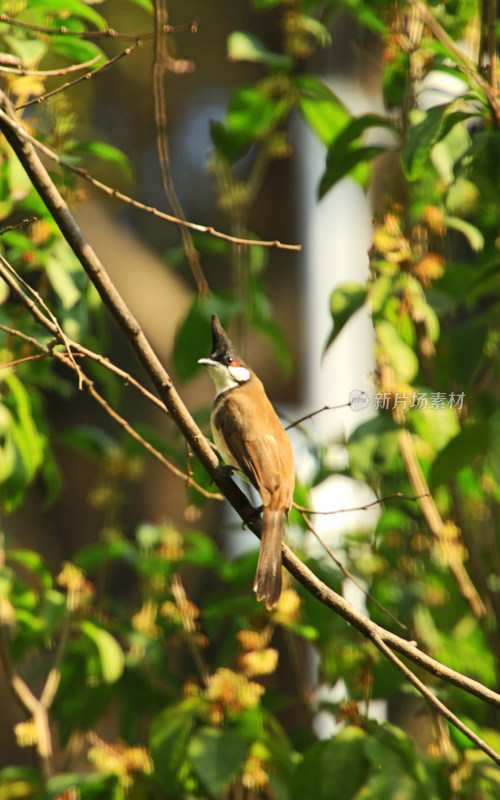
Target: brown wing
{"type": "Point", "coordinates": [259, 445]}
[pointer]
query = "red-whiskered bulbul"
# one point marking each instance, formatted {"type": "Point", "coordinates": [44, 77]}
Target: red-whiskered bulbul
{"type": "Point", "coordinates": [251, 440]}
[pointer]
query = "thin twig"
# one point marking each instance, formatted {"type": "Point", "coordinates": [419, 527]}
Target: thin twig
{"type": "Point", "coordinates": [436, 524]}
{"type": "Point", "coordinates": [434, 701]}
{"type": "Point", "coordinates": [397, 496]}
{"type": "Point", "coordinates": [349, 574]}
{"type": "Point", "coordinates": [21, 131]}
{"type": "Point", "coordinates": [84, 351]}
{"type": "Point", "coordinates": [21, 224]}
{"type": "Point", "coordinates": [110, 33]}
{"type": "Point", "coordinates": [188, 626]}
{"type": "Point", "coordinates": [313, 414]}
{"type": "Point", "coordinates": [85, 77]}
{"type": "Point", "coordinates": [10, 364]}
{"type": "Point", "coordinates": [60, 332]}
{"type": "Point", "coordinates": [161, 62]}
{"type": "Point", "coordinates": [50, 73]}
{"type": "Point", "coordinates": [31, 705]}
{"type": "Point", "coordinates": [189, 482]}
{"type": "Point", "coordinates": [53, 678]}
{"type": "Point", "coordinates": [24, 696]}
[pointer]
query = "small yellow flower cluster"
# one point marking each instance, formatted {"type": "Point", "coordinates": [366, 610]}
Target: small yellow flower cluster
{"type": "Point", "coordinates": [171, 546]}
{"type": "Point", "coordinates": [26, 733]}
{"type": "Point", "coordinates": [259, 662]}
{"type": "Point", "coordinates": [232, 691]}
{"type": "Point", "coordinates": [390, 242]}
{"type": "Point", "coordinates": [254, 640]}
{"type": "Point", "coordinates": [80, 590]}
{"type": "Point", "coordinates": [119, 759]}
{"type": "Point", "coordinates": [254, 775]}
{"type": "Point", "coordinates": [288, 608]}
{"type": "Point", "coordinates": [348, 711]}
{"type": "Point", "coordinates": [183, 613]}
{"type": "Point", "coordinates": [398, 252]}
{"type": "Point", "coordinates": [145, 619]}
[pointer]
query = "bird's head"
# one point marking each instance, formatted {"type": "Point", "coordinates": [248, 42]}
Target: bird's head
{"type": "Point", "coordinates": [225, 366]}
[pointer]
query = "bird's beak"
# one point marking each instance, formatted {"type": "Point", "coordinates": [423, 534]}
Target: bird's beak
{"type": "Point", "coordinates": [208, 362]}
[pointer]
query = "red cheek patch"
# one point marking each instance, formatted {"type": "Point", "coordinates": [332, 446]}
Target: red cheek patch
{"type": "Point", "coordinates": [235, 364]}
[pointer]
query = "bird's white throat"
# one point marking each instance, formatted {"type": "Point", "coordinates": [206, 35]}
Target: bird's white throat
{"type": "Point", "coordinates": [225, 378]}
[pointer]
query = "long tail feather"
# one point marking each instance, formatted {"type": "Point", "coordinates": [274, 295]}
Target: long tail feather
{"type": "Point", "coordinates": [267, 584]}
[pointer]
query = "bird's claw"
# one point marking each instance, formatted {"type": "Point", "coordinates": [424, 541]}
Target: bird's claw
{"type": "Point", "coordinates": [225, 470]}
{"type": "Point", "coordinates": [256, 513]}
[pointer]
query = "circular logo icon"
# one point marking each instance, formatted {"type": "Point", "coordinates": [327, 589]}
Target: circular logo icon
{"type": "Point", "coordinates": [358, 400]}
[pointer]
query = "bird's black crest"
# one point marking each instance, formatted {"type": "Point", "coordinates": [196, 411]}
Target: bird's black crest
{"type": "Point", "coordinates": [222, 347]}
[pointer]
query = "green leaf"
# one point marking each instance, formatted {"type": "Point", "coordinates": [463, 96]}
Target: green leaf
{"type": "Point", "coordinates": [244, 46]}
{"type": "Point", "coordinates": [341, 164]}
{"type": "Point", "coordinates": [62, 281]}
{"type": "Point", "coordinates": [427, 128]}
{"type": "Point", "coordinates": [217, 755]}
{"type": "Point", "coordinates": [107, 152]}
{"type": "Point", "coordinates": [30, 51]}
{"type": "Point", "coordinates": [74, 7]}
{"type": "Point", "coordinates": [346, 299]}
{"type": "Point", "coordinates": [373, 448]}
{"type": "Point", "coordinates": [345, 153]}
{"type": "Point", "coordinates": [395, 80]}
{"type": "Point", "coordinates": [401, 357]}
{"type": "Point", "coordinates": [320, 108]}
{"type": "Point", "coordinates": [98, 554]}
{"type": "Point", "coordinates": [460, 452]}
{"type": "Point", "coordinates": [94, 785]}
{"type": "Point", "coordinates": [111, 656]}
{"type": "Point", "coordinates": [424, 132]}
{"type": "Point", "coordinates": [18, 179]}
{"type": "Point", "coordinates": [251, 115]}
{"type": "Point", "coordinates": [23, 448]}
{"type": "Point", "coordinates": [332, 770]}
{"type": "Point", "coordinates": [34, 563]}
{"type": "Point", "coordinates": [471, 233]}
{"type": "Point", "coordinates": [75, 49]}
{"type": "Point", "coordinates": [169, 737]}
{"type": "Point", "coordinates": [147, 5]}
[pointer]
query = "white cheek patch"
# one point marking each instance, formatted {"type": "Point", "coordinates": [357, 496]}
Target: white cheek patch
{"type": "Point", "coordinates": [240, 374]}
